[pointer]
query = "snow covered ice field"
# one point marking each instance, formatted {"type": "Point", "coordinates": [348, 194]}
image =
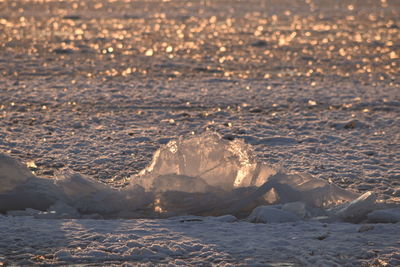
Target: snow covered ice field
{"type": "Point", "coordinates": [96, 87]}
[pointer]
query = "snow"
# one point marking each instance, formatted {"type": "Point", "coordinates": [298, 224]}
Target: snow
{"type": "Point", "coordinates": [306, 91]}
{"type": "Point", "coordinates": [193, 242]}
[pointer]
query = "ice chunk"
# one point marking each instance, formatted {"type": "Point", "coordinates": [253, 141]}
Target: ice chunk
{"type": "Point", "coordinates": [26, 212]}
{"type": "Point", "coordinates": [268, 214]}
{"type": "Point", "coordinates": [224, 218]}
{"type": "Point", "coordinates": [63, 210]}
{"type": "Point", "coordinates": [310, 190]}
{"type": "Point", "coordinates": [12, 173]}
{"type": "Point", "coordinates": [182, 183]}
{"type": "Point", "coordinates": [206, 170]}
{"type": "Point", "coordinates": [385, 216]}
{"type": "Point", "coordinates": [20, 189]}
{"type": "Point", "coordinates": [218, 162]}
{"type": "Point", "coordinates": [91, 196]}
{"type": "Point", "coordinates": [298, 208]}
{"type": "Point", "coordinates": [283, 188]}
{"type": "Point", "coordinates": [356, 210]}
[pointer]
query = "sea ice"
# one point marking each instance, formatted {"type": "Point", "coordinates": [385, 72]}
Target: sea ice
{"type": "Point", "coordinates": [356, 210]}
{"type": "Point", "coordinates": [91, 196]}
{"type": "Point", "coordinates": [199, 175]}
{"type": "Point", "coordinates": [209, 164]}
{"type": "Point", "coordinates": [298, 208]}
{"type": "Point", "coordinates": [12, 173]}
{"type": "Point", "coordinates": [217, 162]}
{"type": "Point", "coordinates": [20, 189]}
{"type": "Point", "coordinates": [385, 216]}
{"type": "Point", "coordinates": [270, 214]}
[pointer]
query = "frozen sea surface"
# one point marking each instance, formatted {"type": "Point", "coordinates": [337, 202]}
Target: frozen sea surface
{"type": "Point", "coordinates": [98, 86]}
{"type": "Point", "coordinates": [195, 241]}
